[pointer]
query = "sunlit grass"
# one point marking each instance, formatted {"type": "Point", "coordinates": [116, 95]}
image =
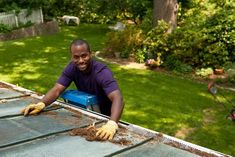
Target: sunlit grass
{"type": "Point", "coordinates": [157, 101]}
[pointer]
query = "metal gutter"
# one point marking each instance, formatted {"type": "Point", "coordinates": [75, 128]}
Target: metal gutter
{"type": "Point", "coordinates": [142, 138]}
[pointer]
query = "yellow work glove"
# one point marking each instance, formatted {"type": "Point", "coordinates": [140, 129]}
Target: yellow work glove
{"type": "Point", "coordinates": [107, 131]}
{"type": "Point", "coordinates": [33, 109]}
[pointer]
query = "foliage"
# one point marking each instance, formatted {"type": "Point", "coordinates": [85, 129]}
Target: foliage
{"type": "Point", "coordinates": [221, 31]}
{"type": "Point", "coordinates": [155, 41]}
{"type": "Point", "coordinates": [27, 24]}
{"type": "Point", "coordinates": [137, 9]}
{"type": "Point", "coordinates": [147, 24]}
{"type": "Point", "coordinates": [133, 41]}
{"type": "Point", "coordinates": [204, 72]}
{"type": "Point", "coordinates": [126, 42]}
{"type": "Point", "coordinates": [4, 28]}
{"type": "Point", "coordinates": [92, 11]}
{"type": "Point", "coordinates": [231, 75]}
{"type": "Point", "coordinates": [205, 37]}
{"type": "Point", "coordinates": [183, 68]}
{"type": "Point", "coordinates": [140, 56]}
{"type": "Point", "coordinates": [174, 64]}
{"type": "Point", "coordinates": [8, 5]}
{"type": "Point", "coordinates": [229, 67]}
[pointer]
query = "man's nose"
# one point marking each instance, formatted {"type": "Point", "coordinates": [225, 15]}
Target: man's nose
{"type": "Point", "coordinates": [79, 60]}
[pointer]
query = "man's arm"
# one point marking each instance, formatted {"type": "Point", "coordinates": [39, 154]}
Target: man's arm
{"type": "Point", "coordinates": [117, 105]}
{"type": "Point", "coordinates": [53, 94]}
{"type": "Point", "coordinates": [49, 98]}
{"type": "Point", "coordinates": [107, 131]}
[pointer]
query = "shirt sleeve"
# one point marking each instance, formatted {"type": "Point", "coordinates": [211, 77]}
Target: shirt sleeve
{"type": "Point", "coordinates": [107, 81]}
{"type": "Point", "coordinates": [67, 75]}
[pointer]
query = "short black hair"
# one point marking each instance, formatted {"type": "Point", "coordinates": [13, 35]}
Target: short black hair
{"type": "Point", "coordinates": [79, 42]}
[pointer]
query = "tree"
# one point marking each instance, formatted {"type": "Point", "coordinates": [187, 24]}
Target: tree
{"type": "Point", "coordinates": [165, 10]}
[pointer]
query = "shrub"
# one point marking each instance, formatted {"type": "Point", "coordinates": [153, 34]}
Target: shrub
{"type": "Point", "coordinates": [204, 72]}
{"type": "Point", "coordinates": [231, 76]}
{"type": "Point", "coordinates": [205, 37]}
{"type": "Point", "coordinates": [156, 41]}
{"type": "Point", "coordinates": [174, 64]}
{"type": "Point", "coordinates": [4, 28]}
{"type": "Point", "coordinates": [126, 42]}
{"type": "Point", "coordinates": [140, 56]}
{"type": "Point", "coordinates": [230, 71]}
{"type": "Point", "coordinates": [183, 68]}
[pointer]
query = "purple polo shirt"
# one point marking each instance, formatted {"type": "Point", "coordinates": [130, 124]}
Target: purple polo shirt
{"type": "Point", "coordinates": [99, 81]}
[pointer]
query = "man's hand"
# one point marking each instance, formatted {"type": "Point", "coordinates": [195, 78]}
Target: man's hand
{"type": "Point", "coordinates": [33, 109]}
{"type": "Point", "coordinates": [107, 131]}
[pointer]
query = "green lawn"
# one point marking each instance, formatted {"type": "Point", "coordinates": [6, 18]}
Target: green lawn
{"type": "Point", "coordinates": [168, 104]}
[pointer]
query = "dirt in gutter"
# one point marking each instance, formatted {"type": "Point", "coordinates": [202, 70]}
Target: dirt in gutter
{"type": "Point", "coordinates": [3, 85]}
{"type": "Point", "coordinates": [89, 133]}
{"type": "Point", "coordinates": [160, 138]}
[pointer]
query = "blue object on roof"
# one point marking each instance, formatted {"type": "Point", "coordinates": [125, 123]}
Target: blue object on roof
{"type": "Point", "coordinates": [79, 98]}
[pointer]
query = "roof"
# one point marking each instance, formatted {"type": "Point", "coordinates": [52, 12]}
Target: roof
{"type": "Point", "coordinates": [49, 133]}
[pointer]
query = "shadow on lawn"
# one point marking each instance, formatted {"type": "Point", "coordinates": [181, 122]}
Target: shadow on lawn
{"type": "Point", "coordinates": [170, 104]}
{"type": "Point", "coordinates": [32, 65]}
{"type": "Point", "coordinates": [36, 62]}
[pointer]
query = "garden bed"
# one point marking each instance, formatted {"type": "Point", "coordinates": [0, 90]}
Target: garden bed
{"type": "Point", "coordinates": [35, 30]}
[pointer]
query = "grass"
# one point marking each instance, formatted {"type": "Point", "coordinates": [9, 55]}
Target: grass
{"type": "Point", "coordinates": [168, 104]}
{"type": "Point", "coordinates": [38, 61]}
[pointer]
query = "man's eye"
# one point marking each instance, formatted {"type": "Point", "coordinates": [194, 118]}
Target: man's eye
{"type": "Point", "coordinates": [75, 57]}
{"type": "Point", "coordinates": [84, 55]}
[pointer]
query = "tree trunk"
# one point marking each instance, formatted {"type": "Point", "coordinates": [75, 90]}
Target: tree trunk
{"type": "Point", "coordinates": [166, 10]}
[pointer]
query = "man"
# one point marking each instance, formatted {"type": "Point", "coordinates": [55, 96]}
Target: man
{"type": "Point", "coordinates": [89, 76]}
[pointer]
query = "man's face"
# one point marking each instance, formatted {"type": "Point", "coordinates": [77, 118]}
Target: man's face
{"type": "Point", "coordinates": [81, 57]}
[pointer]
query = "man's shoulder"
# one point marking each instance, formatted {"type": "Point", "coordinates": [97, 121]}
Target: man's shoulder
{"type": "Point", "coordinates": [98, 66]}
{"type": "Point", "coordinates": [96, 62]}
{"type": "Point", "coordinates": [70, 67]}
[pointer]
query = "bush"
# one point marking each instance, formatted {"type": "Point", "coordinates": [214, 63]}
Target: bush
{"type": "Point", "coordinates": [4, 28]}
{"type": "Point", "coordinates": [203, 40]}
{"type": "Point", "coordinates": [205, 37]}
{"type": "Point", "coordinates": [232, 76]}
{"type": "Point", "coordinates": [156, 41]}
{"type": "Point", "coordinates": [230, 71]}
{"type": "Point", "coordinates": [126, 42]}
{"type": "Point", "coordinates": [204, 72]}
{"type": "Point", "coordinates": [174, 64]}
{"type": "Point", "coordinates": [184, 68]}
{"type": "Point", "coordinates": [140, 56]}
{"type": "Point", "coordinates": [171, 62]}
